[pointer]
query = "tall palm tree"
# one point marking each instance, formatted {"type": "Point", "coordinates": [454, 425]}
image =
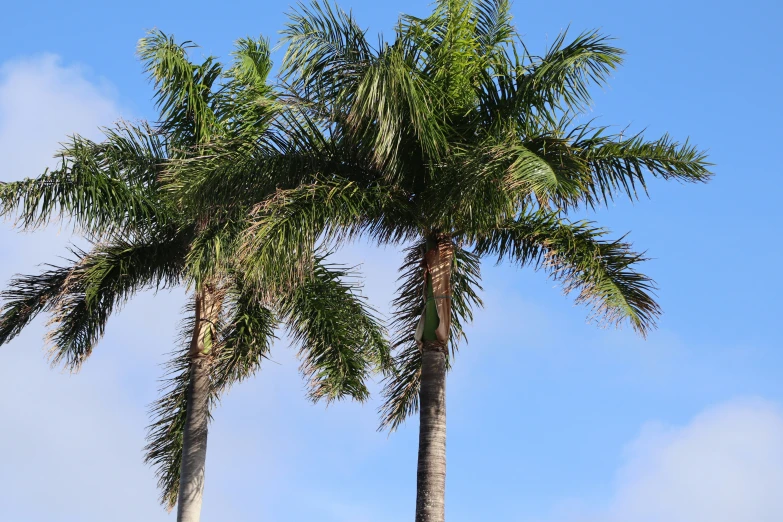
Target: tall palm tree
{"type": "Point", "coordinates": [115, 192]}
{"type": "Point", "coordinates": [456, 141]}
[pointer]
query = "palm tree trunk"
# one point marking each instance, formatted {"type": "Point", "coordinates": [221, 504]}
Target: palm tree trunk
{"type": "Point", "coordinates": [194, 440]}
{"type": "Point", "coordinates": [431, 473]}
{"type": "Point", "coordinates": [433, 338]}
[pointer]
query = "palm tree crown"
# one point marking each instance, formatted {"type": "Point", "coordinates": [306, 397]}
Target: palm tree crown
{"type": "Point", "coordinates": [454, 130]}
{"type": "Point", "coordinates": [116, 193]}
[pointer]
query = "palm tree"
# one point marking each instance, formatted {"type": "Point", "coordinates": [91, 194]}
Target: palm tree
{"type": "Point", "coordinates": [115, 192]}
{"type": "Point", "coordinates": [454, 140]}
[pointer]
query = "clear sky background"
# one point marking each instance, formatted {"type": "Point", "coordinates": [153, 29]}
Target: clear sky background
{"type": "Point", "coordinates": [550, 418]}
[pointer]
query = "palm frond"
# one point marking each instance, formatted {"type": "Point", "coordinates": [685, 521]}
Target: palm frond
{"type": "Point", "coordinates": [27, 296]}
{"type": "Point", "coordinates": [560, 170]}
{"type": "Point", "coordinates": [395, 103]}
{"type": "Point", "coordinates": [246, 336]}
{"type": "Point", "coordinates": [326, 52]}
{"type": "Point", "coordinates": [562, 77]}
{"type": "Point", "coordinates": [494, 29]}
{"type": "Point", "coordinates": [518, 88]}
{"type": "Point", "coordinates": [252, 63]}
{"type": "Point", "coordinates": [240, 170]}
{"type": "Point", "coordinates": [602, 271]}
{"type": "Point", "coordinates": [338, 335]}
{"type": "Point", "coordinates": [184, 90]}
{"type": "Point", "coordinates": [618, 164]}
{"type": "Point", "coordinates": [101, 281]}
{"type": "Point", "coordinates": [284, 229]}
{"type": "Point", "coordinates": [165, 435]}
{"type": "Point", "coordinates": [102, 187]}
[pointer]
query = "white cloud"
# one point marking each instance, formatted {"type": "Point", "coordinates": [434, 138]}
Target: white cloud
{"type": "Point", "coordinates": [43, 101]}
{"type": "Point", "coordinates": [726, 465]}
{"type": "Point", "coordinates": [72, 444]}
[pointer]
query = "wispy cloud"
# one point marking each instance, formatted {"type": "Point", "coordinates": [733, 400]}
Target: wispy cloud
{"type": "Point", "coordinates": [725, 465]}
{"type": "Point", "coordinates": [41, 102]}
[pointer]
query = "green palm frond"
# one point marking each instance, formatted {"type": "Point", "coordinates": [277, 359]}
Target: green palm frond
{"type": "Point", "coordinates": [339, 337]}
{"type": "Point", "coordinates": [100, 282]}
{"type": "Point", "coordinates": [585, 167]}
{"type": "Point", "coordinates": [284, 229]}
{"type": "Point", "coordinates": [169, 413]}
{"type": "Point", "coordinates": [246, 103]}
{"type": "Point", "coordinates": [380, 94]}
{"type": "Point", "coordinates": [563, 76]}
{"type": "Point", "coordinates": [27, 296]}
{"type": "Point", "coordinates": [579, 257]}
{"type": "Point", "coordinates": [395, 103]}
{"type": "Point", "coordinates": [82, 296]}
{"type": "Point", "coordinates": [326, 52]}
{"type": "Point", "coordinates": [103, 187]}
{"type": "Point", "coordinates": [240, 170]}
{"type": "Point", "coordinates": [184, 90]}
{"type": "Point", "coordinates": [246, 337]}
{"type": "Point", "coordinates": [252, 64]}
{"type": "Point", "coordinates": [618, 164]}
{"type": "Point", "coordinates": [494, 30]}
{"type": "Point", "coordinates": [211, 254]}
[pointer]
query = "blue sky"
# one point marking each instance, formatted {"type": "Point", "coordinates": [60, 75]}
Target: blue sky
{"type": "Point", "coordinates": [550, 418]}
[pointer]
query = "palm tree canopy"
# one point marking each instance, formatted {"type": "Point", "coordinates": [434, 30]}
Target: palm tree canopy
{"type": "Point", "coordinates": [117, 193]}
{"type": "Point", "coordinates": [453, 129]}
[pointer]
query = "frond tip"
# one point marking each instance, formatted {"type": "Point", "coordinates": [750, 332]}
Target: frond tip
{"type": "Point", "coordinates": [577, 255]}
{"type": "Point", "coordinates": [339, 337]}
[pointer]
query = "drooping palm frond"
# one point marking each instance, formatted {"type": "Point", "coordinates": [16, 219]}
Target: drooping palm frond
{"type": "Point", "coordinates": [465, 288]}
{"type": "Point", "coordinates": [83, 296]}
{"type": "Point", "coordinates": [103, 281]}
{"type": "Point", "coordinates": [102, 187]}
{"type": "Point", "coordinates": [602, 271]}
{"type": "Point", "coordinates": [27, 296]}
{"type": "Point", "coordinates": [284, 229]}
{"type": "Point", "coordinates": [246, 336]}
{"type": "Point", "coordinates": [401, 391]}
{"type": "Point", "coordinates": [394, 103]}
{"type": "Point", "coordinates": [339, 337]}
{"type": "Point", "coordinates": [169, 413]}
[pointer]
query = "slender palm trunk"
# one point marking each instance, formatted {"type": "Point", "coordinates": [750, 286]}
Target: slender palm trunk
{"type": "Point", "coordinates": [431, 473]}
{"type": "Point", "coordinates": [194, 441]}
{"type": "Point", "coordinates": [436, 322]}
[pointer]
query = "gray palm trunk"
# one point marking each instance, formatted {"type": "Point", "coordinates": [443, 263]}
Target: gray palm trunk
{"type": "Point", "coordinates": [431, 473]}
{"type": "Point", "coordinates": [194, 440]}
{"type": "Point", "coordinates": [436, 322]}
